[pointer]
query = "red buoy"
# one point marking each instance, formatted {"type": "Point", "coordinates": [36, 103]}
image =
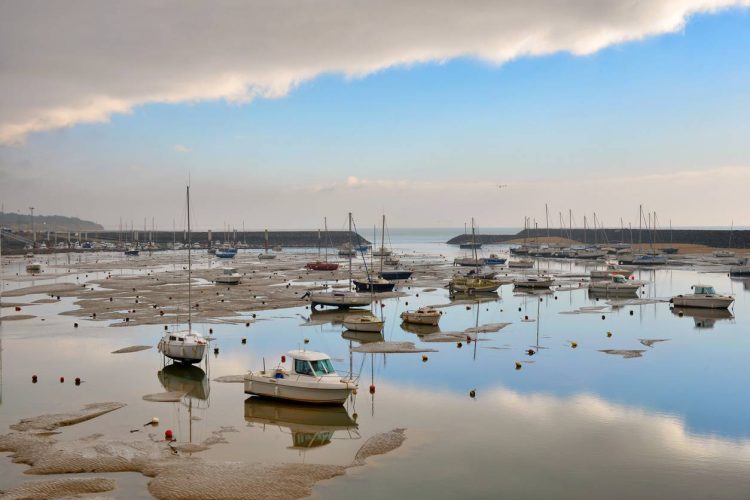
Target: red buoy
{"type": "Point", "coordinates": [168, 435]}
{"type": "Point", "coordinates": [62, 379]}
{"type": "Point", "coordinates": [372, 388]}
{"type": "Point", "coordinates": [78, 380]}
{"type": "Point", "coordinates": [283, 359]}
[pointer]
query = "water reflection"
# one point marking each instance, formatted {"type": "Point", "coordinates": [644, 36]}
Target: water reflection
{"type": "Point", "coordinates": [362, 337]}
{"type": "Point", "coordinates": [419, 329]}
{"type": "Point", "coordinates": [335, 317]}
{"type": "Point", "coordinates": [310, 426]}
{"type": "Point", "coordinates": [190, 379]}
{"type": "Point", "coordinates": [703, 318]}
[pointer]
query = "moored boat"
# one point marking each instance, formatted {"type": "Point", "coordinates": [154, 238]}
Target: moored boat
{"type": "Point", "coordinates": [615, 285]}
{"type": "Point", "coordinates": [395, 275]}
{"type": "Point", "coordinates": [704, 296]}
{"type": "Point", "coordinates": [373, 284]}
{"type": "Point", "coordinates": [33, 267]}
{"type": "Point", "coordinates": [363, 323]}
{"type": "Point", "coordinates": [422, 316]}
{"type": "Point", "coordinates": [229, 276]}
{"type": "Point", "coordinates": [302, 376]}
{"type": "Point", "coordinates": [539, 281]}
{"type": "Point", "coordinates": [521, 263]}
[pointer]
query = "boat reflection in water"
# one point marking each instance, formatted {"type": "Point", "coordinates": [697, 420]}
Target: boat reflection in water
{"type": "Point", "coordinates": [189, 379]}
{"type": "Point", "coordinates": [703, 318]}
{"type": "Point", "coordinates": [419, 329]}
{"type": "Point", "coordinates": [310, 426]}
{"type": "Point", "coordinates": [192, 381]}
{"type": "Point", "coordinates": [362, 337]}
{"type": "Point", "coordinates": [334, 317]}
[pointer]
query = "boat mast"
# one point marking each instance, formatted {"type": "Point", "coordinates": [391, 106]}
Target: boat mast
{"type": "Point", "coordinates": [190, 265]}
{"type": "Point", "coordinates": [265, 244]}
{"type": "Point", "coordinates": [546, 215]}
{"type": "Point", "coordinates": [325, 226]}
{"type": "Point", "coordinates": [351, 248]}
{"type": "Point", "coordinates": [382, 245]}
{"type": "Point", "coordinates": [474, 247]}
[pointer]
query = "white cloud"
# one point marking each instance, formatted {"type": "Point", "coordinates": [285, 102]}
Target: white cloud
{"type": "Point", "coordinates": [66, 63]}
{"type": "Point", "coordinates": [180, 148]}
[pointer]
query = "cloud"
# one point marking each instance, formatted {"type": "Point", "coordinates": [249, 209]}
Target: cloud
{"type": "Point", "coordinates": [181, 148]}
{"type": "Point", "coordinates": [64, 63]}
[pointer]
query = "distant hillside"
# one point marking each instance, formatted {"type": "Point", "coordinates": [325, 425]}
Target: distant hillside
{"type": "Point", "coordinates": [22, 222]}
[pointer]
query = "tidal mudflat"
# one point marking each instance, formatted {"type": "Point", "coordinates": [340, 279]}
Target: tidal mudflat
{"type": "Point", "coordinates": [560, 394]}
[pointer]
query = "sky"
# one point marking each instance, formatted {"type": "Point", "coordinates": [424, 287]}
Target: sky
{"type": "Point", "coordinates": [433, 112]}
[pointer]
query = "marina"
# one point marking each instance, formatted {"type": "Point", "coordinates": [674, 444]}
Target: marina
{"type": "Point", "coordinates": [243, 333]}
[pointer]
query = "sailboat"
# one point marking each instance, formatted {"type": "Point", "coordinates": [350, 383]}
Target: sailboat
{"type": "Point", "coordinates": [372, 283]}
{"type": "Point", "coordinates": [340, 298]}
{"type": "Point", "coordinates": [465, 284]}
{"type": "Point", "coordinates": [266, 255]}
{"type": "Point", "coordinates": [319, 265]}
{"type": "Point", "coordinates": [185, 346]}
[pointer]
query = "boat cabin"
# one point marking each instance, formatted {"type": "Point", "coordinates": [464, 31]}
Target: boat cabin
{"type": "Point", "coordinates": [617, 278]}
{"type": "Point", "coordinates": [230, 271]}
{"type": "Point", "coordinates": [313, 364]}
{"type": "Point", "coordinates": [704, 290]}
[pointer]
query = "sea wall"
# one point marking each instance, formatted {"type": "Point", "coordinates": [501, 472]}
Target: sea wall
{"type": "Point", "coordinates": [718, 238]}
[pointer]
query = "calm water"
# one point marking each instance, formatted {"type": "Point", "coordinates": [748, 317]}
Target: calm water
{"type": "Point", "coordinates": [572, 423]}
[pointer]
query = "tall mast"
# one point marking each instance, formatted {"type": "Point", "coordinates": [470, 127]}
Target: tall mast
{"type": "Point", "coordinates": [640, 227]}
{"type": "Point", "coordinates": [351, 247]}
{"type": "Point", "coordinates": [265, 244]}
{"type": "Point", "coordinates": [382, 245]}
{"type": "Point", "coordinates": [546, 216]}
{"type": "Point", "coordinates": [190, 266]}
{"type": "Point", "coordinates": [325, 225]}
{"type": "Point", "coordinates": [474, 246]}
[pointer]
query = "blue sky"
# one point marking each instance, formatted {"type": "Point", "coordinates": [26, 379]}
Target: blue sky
{"type": "Point", "coordinates": [663, 105]}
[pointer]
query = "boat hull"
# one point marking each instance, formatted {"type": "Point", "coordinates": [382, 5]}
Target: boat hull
{"type": "Point", "coordinates": [277, 389]}
{"type": "Point", "coordinates": [364, 286]}
{"type": "Point", "coordinates": [228, 280]}
{"type": "Point", "coordinates": [395, 275]}
{"type": "Point", "coordinates": [343, 302]}
{"type": "Point", "coordinates": [420, 319]}
{"type": "Point", "coordinates": [702, 302]}
{"type": "Point", "coordinates": [367, 327]}
{"type": "Point", "coordinates": [321, 266]}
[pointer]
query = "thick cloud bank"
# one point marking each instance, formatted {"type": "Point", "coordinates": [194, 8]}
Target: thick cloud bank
{"type": "Point", "coordinates": [63, 63]}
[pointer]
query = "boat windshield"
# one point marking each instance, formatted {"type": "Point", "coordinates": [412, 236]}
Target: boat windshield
{"type": "Point", "coordinates": [707, 290]}
{"type": "Point", "coordinates": [322, 367]}
{"type": "Point", "coordinates": [619, 279]}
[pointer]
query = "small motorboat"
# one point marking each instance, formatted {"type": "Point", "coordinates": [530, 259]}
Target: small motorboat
{"type": "Point", "coordinates": [395, 275]}
{"type": "Point", "coordinates": [132, 252]}
{"type": "Point", "coordinates": [321, 266]}
{"type": "Point", "coordinates": [342, 299]}
{"type": "Point", "coordinates": [539, 281]}
{"type": "Point", "coordinates": [33, 267]}
{"type": "Point", "coordinates": [373, 284]}
{"type": "Point", "coordinates": [185, 346]}
{"type": "Point", "coordinates": [302, 376]}
{"type": "Point", "coordinates": [229, 276]}
{"type": "Point", "coordinates": [521, 264]}
{"type": "Point", "coordinates": [494, 260]}
{"type": "Point", "coordinates": [470, 246]}
{"type": "Point", "coordinates": [266, 256]}
{"type": "Point", "coordinates": [226, 253]}
{"type": "Point", "coordinates": [615, 285]}
{"type": "Point", "coordinates": [422, 316]}
{"type": "Point", "coordinates": [704, 296]}
{"type": "Point", "coordinates": [589, 253]}
{"type": "Point", "coordinates": [363, 323]}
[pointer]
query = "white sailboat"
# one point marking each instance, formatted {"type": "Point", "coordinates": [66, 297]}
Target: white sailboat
{"type": "Point", "coordinates": [185, 346]}
{"type": "Point", "coordinates": [266, 255]}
